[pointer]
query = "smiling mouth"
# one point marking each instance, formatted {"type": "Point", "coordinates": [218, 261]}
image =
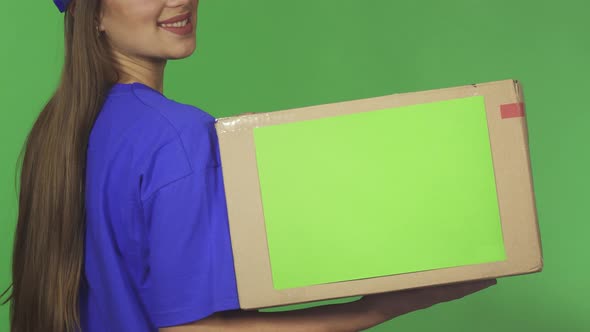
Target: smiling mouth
{"type": "Point", "coordinates": [178, 24]}
{"type": "Point", "coordinates": [181, 25]}
{"type": "Point", "coordinates": [178, 21]}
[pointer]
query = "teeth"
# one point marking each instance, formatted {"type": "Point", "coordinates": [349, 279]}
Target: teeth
{"type": "Point", "coordinates": [175, 24]}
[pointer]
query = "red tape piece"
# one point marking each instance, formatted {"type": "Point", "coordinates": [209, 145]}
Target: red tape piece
{"type": "Point", "coordinates": [513, 110]}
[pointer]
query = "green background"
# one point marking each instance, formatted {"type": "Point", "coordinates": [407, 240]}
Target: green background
{"type": "Point", "coordinates": [257, 56]}
{"type": "Point", "coordinates": [371, 194]}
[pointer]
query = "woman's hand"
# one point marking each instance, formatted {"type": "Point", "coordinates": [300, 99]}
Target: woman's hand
{"type": "Point", "coordinates": [355, 316]}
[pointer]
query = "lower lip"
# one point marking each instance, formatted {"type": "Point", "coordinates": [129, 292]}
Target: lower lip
{"type": "Point", "coordinates": [185, 30]}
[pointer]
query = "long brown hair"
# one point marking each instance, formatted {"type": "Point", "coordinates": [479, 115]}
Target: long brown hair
{"type": "Point", "coordinates": [49, 240]}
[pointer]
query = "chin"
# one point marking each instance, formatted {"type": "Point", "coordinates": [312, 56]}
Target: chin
{"type": "Point", "coordinates": [182, 52]}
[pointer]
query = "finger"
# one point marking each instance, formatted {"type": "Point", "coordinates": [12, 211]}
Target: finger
{"type": "Point", "coordinates": [459, 290]}
{"type": "Point", "coordinates": [473, 286]}
{"type": "Point", "coordinates": [423, 298]}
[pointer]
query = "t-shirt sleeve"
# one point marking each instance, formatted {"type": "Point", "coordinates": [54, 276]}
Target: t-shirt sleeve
{"type": "Point", "coordinates": [190, 272]}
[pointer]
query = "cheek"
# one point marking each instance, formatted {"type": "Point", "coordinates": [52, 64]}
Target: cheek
{"type": "Point", "coordinates": [134, 27]}
{"type": "Point", "coordinates": [140, 19]}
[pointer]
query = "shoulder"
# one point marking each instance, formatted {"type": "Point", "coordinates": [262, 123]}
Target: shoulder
{"type": "Point", "coordinates": [142, 115]}
{"type": "Point", "coordinates": [158, 139]}
{"type": "Point", "coordinates": [177, 115]}
{"type": "Point", "coordinates": [194, 128]}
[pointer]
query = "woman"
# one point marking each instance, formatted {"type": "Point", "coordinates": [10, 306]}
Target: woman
{"type": "Point", "coordinates": [121, 223]}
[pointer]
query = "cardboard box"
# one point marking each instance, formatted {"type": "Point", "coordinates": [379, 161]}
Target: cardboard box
{"type": "Point", "coordinates": [380, 194]}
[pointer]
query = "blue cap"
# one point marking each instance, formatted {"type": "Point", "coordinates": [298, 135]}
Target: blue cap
{"type": "Point", "coordinates": [62, 5]}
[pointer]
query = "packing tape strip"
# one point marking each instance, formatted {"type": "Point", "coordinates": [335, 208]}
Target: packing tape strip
{"type": "Point", "coordinates": [513, 110]}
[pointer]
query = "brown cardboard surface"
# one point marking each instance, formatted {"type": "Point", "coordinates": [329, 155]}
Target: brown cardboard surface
{"type": "Point", "coordinates": [510, 154]}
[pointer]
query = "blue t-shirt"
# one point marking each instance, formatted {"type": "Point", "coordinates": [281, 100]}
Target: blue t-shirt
{"type": "Point", "coordinates": [157, 250]}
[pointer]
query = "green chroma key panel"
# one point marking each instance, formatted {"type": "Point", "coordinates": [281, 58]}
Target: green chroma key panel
{"type": "Point", "coordinates": [379, 193]}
